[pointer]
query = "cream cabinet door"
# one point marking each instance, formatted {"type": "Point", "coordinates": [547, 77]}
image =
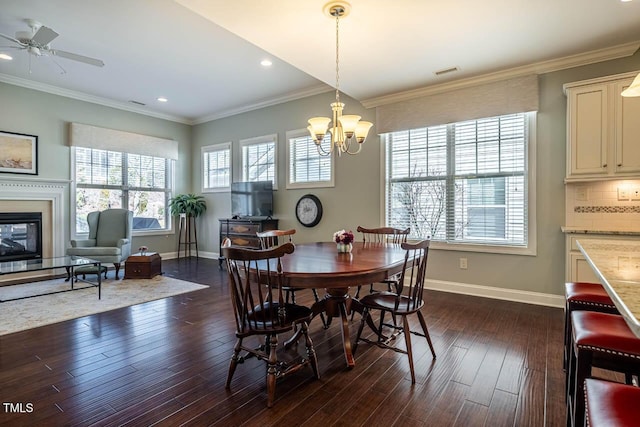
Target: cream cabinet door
{"type": "Point", "coordinates": [588, 129]}
{"type": "Point", "coordinates": [581, 271]}
{"type": "Point", "coordinates": [627, 131]}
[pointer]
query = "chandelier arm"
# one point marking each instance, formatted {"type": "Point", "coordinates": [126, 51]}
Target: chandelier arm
{"type": "Point", "coordinates": [323, 152]}
{"type": "Point", "coordinates": [346, 148]}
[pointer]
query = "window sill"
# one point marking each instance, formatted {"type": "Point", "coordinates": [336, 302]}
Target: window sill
{"type": "Point", "coordinates": [155, 232]}
{"type": "Point", "coordinates": [492, 249]}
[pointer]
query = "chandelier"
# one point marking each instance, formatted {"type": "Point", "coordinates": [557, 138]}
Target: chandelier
{"type": "Point", "coordinates": [346, 130]}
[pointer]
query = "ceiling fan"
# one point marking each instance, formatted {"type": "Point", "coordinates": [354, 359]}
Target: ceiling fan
{"type": "Point", "coordinates": [37, 43]}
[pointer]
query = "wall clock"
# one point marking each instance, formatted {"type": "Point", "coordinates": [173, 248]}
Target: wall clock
{"type": "Point", "coordinates": [309, 210]}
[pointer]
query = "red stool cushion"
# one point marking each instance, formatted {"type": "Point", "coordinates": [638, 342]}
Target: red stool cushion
{"type": "Point", "coordinates": [581, 292]}
{"type": "Point", "coordinates": [605, 331]}
{"type": "Point", "coordinates": [611, 404]}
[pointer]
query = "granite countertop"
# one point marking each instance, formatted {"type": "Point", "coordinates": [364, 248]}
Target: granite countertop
{"type": "Point", "coordinates": [581, 230]}
{"type": "Point", "coordinates": [617, 264]}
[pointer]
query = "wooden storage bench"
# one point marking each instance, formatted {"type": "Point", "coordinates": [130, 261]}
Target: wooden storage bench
{"type": "Point", "coordinates": [139, 266]}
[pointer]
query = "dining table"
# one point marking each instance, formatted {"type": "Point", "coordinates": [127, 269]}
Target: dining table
{"type": "Point", "coordinates": [617, 265]}
{"type": "Point", "coordinates": [321, 266]}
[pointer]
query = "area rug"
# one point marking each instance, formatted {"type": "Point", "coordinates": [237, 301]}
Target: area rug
{"type": "Point", "coordinates": [43, 310]}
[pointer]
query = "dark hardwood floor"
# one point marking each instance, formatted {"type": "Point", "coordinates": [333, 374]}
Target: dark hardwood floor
{"type": "Point", "coordinates": [165, 362]}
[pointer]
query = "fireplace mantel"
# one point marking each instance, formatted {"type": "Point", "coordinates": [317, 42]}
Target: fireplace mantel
{"type": "Point", "coordinates": [38, 189]}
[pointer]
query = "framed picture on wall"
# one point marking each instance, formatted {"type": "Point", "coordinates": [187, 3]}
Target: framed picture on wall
{"type": "Point", "coordinates": [18, 153]}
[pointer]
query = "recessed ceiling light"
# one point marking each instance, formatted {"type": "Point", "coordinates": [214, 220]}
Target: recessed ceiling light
{"type": "Point", "coordinates": [625, 1]}
{"type": "Point", "coordinates": [5, 57]}
{"type": "Point", "coordinates": [266, 63]}
{"type": "Point", "coordinates": [162, 99]}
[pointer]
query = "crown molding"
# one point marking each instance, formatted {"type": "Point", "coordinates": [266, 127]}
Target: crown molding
{"type": "Point", "coordinates": [586, 58]}
{"type": "Point", "coordinates": [292, 96]}
{"type": "Point", "coordinates": [81, 96]}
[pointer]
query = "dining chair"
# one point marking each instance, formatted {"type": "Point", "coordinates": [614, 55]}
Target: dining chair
{"type": "Point", "coordinates": [272, 238]}
{"type": "Point", "coordinates": [262, 311]}
{"type": "Point", "coordinates": [406, 301]}
{"type": "Point", "coordinates": [382, 235]}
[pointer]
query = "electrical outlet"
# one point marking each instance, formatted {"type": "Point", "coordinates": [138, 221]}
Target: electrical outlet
{"type": "Point", "coordinates": [623, 193]}
{"type": "Point", "coordinates": [635, 193]}
{"type": "Point", "coordinates": [582, 193]}
{"type": "Point", "coordinates": [463, 263]}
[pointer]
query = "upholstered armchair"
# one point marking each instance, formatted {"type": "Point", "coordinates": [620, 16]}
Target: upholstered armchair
{"type": "Point", "coordinates": [109, 238]}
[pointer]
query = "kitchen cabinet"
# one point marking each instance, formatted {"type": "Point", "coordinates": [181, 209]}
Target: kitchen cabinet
{"type": "Point", "coordinates": [577, 268]}
{"type": "Point", "coordinates": [603, 132]}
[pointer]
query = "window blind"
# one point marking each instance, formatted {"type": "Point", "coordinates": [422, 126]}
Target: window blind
{"type": "Point", "coordinates": [488, 100]}
{"type": "Point", "coordinates": [87, 136]}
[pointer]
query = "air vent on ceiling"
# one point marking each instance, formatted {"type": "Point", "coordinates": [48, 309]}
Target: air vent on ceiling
{"type": "Point", "coordinates": [446, 71]}
{"type": "Point", "coordinates": [137, 102]}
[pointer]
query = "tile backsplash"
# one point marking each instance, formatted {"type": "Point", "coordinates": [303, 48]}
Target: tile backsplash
{"type": "Point", "coordinates": [597, 205]}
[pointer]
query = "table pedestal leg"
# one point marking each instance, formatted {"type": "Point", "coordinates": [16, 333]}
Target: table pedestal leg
{"type": "Point", "coordinates": [337, 303]}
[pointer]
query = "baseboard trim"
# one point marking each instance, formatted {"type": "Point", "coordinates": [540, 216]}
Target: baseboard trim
{"type": "Point", "coordinates": [201, 254]}
{"type": "Point", "coordinates": [527, 297]}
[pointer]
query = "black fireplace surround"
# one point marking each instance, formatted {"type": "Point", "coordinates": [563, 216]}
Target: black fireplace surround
{"type": "Point", "coordinates": [20, 236]}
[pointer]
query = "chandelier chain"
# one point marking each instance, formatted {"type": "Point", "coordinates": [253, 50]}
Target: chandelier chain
{"type": "Point", "coordinates": [337, 57]}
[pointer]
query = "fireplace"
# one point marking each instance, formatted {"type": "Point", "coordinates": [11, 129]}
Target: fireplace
{"type": "Point", "coordinates": [20, 236]}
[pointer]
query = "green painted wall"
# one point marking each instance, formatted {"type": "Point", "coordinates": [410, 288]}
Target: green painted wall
{"type": "Point", "coordinates": [47, 116]}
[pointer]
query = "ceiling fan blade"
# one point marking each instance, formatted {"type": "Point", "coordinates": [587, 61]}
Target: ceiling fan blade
{"type": "Point", "coordinates": [76, 57]}
{"type": "Point", "coordinates": [44, 35]}
{"type": "Point", "coordinates": [11, 39]}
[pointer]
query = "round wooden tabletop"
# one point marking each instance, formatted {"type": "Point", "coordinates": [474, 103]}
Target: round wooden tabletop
{"type": "Point", "coordinates": [319, 265]}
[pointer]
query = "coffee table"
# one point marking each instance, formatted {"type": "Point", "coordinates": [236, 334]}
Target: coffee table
{"type": "Point", "coordinates": [67, 262]}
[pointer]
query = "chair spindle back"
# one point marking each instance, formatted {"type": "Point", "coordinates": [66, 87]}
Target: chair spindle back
{"type": "Point", "coordinates": [271, 238]}
{"type": "Point", "coordinates": [415, 266]}
{"type": "Point", "coordinates": [256, 281]}
{"type": "Point", "coordinates": [384, 235]}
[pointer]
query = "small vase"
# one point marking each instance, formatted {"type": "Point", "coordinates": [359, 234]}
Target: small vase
{"type": "Point", "coordinates": [344, 248]}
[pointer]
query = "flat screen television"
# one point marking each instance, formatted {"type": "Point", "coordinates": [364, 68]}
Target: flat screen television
{"type": "Point", "coordinates": [252, 198]}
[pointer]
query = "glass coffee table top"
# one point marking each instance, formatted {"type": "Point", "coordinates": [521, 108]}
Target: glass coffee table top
{"type": "Point", "coordinates": [10, 267]}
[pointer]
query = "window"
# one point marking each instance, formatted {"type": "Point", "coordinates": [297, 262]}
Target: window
{"type": "Point", "coordinates": [465, 182]}
{"type": "Point", "coordinates": [259, 159]}
{"type": "Point", "coordinates": [306, 167]}
{"type": "Point", "coordinates": [216, 167]}
{"type": "Point", "coordinates": [109, 179]}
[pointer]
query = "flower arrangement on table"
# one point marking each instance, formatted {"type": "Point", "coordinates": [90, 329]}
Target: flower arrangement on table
{"type": "Point", "coordinates": [143, 250]}
{"type": "Point", "coordinates": [344, 240]}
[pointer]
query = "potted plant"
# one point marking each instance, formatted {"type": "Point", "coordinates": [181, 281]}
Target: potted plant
{"type": "Point", "coordinates": [188, 204]}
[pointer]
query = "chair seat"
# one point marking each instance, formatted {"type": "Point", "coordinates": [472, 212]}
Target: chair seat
{"type": "Point", "coordinates": [387, 301]}
{"type": "Point", "coordinates": [587, 293]}
{"type": "Point", "coordinates": [261, 318]}
{"type": "Point", "coordinates": [95, 251]}
{"type": "Point", "coordinates": [611, 404]}
{"type": "Point", "coordinates": [605, 332]}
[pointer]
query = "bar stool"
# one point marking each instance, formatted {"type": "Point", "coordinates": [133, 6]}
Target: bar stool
{"type": "Point", "coordinates": [600, 340]}
{"type": "Point", "coordinates": [583, 296]}
{"type": "Point", "coordinates": [611, 404]}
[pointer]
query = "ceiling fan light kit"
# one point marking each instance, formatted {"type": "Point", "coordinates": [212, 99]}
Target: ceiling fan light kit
{"type": "Point", "coordinates": [344, 129]}
{"type": "Point", "coordinates": [37, 43]}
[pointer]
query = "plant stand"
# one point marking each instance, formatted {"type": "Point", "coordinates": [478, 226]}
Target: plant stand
{"type": "Point", "coordinates": [187, 228]}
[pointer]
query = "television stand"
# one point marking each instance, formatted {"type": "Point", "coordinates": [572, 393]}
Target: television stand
{"type": "Point", "coordinates": [242, 232]}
